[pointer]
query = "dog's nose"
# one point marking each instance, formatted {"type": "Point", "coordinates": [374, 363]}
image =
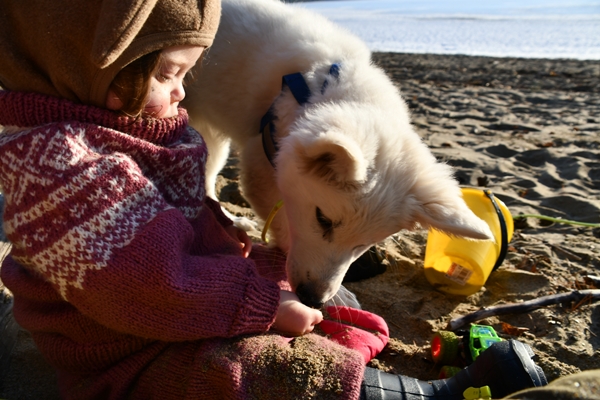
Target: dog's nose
{"type": "Point", "coordinates": [308, 297]}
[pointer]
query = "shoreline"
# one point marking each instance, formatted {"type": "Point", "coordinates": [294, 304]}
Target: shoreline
{"type": "Point", "coordinates": [511, 72]}
{"type": "Point", "coordinates": [416, 54]}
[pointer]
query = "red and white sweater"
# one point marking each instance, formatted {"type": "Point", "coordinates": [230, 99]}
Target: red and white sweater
{"type": "Point", "coordinates": [120, 265]}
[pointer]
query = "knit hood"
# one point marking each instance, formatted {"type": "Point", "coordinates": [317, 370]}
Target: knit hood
{"type": "Point", "coordinates": [74, 49]}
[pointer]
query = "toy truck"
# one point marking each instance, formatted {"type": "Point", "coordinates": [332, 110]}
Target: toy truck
{"type": "Point", "coordinates": [447, 346]}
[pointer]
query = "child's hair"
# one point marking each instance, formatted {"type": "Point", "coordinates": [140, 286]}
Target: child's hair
{"type": "Point", "coordinates": [132, 83]}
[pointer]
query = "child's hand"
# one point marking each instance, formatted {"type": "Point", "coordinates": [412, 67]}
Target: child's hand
{"type": "Point", "coordinates": [294, 318]}
{"type": "Point", "coordinates": [240, 235]}
{"type": "Point", "coordinates": [365, 332]}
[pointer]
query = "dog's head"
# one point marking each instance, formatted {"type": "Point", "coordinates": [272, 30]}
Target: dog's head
{"type": "Point", "coordinates": [351, 175]}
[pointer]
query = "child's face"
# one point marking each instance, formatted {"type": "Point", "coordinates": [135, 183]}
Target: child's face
{"type": "Point", "coordinates": [166, 87]}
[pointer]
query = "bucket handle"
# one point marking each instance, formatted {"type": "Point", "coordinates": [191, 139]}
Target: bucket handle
{"type": "Point", "coordinates": [503, 230]}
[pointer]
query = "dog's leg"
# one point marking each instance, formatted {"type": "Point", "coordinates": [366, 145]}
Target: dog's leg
{"type": "Point", "coordinates": [218, 152]}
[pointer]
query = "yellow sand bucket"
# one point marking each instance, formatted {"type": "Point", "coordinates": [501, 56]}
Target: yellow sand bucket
{"type": "Point", "coordinates": [461, 266]}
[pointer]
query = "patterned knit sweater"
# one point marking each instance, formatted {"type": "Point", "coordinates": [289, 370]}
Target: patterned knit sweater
{"type": "Point", "coordinates": [120, 264]}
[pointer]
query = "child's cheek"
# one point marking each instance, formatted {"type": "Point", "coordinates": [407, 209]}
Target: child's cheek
{"type": "Point", "coordinates": [158, 105]}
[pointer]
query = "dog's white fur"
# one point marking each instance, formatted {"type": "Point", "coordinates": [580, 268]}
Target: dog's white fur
{"type": "Point", "coordinates": [351, 170]}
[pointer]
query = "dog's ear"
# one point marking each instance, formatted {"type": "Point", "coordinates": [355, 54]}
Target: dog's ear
{"type": "Point", "coordinates": [338, 162]}
{"type": "Point", "coordinates": [447, 212]}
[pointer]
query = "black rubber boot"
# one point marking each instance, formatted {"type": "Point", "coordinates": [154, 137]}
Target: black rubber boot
{"type": "Point", "coordinates": [505, 367]}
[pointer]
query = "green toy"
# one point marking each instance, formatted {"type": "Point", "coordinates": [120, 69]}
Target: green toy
{"type": "Point", "coordinates": [446, 346]}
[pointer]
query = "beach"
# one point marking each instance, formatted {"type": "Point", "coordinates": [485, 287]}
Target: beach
{"type": "Point", "coordinates": [529, 131]}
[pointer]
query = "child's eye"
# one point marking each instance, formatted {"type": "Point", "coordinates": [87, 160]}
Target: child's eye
{"type": "Point", "coordinates": [163, 78]}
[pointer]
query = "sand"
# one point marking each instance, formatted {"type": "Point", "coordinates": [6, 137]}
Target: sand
{"type": "Point", "coordinates": [526, 129]}
{"type": "Point", "coordinates": [529, 131]}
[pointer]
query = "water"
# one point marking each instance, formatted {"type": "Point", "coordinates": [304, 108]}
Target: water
{"type": "Point", "coordinates": [525, 28]}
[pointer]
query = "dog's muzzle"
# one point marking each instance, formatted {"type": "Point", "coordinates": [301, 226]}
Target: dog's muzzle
{"type": "Point", "coordinates": [309, 297]}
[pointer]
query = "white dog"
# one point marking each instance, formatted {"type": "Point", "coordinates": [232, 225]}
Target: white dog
{"type": "Point", "coordinates": [345, 159]}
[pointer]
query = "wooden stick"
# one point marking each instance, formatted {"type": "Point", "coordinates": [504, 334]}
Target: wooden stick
{"type": "Point", "coordinates": [515, 308]}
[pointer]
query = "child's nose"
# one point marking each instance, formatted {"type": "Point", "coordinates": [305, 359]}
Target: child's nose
{"type": "Point", "coordinates": [178, 92]}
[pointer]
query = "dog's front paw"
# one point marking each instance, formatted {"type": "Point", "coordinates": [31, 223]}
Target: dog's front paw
{"type": "Point", "coordinates": [244, 223]}
{"type": "Point", "coordinates": [241, 222]}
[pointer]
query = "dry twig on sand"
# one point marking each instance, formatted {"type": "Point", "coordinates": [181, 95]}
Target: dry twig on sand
{"type": "Point", "coordinates": [578, 297]}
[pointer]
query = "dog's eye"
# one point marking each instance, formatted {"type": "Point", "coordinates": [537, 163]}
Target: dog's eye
{"type": "Point", "coordinates": [325, 223]}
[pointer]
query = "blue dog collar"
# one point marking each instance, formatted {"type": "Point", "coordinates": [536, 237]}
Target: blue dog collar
{"type": "Point", "coordinates": [301, 93]}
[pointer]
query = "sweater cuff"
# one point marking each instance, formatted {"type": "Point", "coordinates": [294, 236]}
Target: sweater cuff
{"type": "Point", "coordinates": [261, 302]}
